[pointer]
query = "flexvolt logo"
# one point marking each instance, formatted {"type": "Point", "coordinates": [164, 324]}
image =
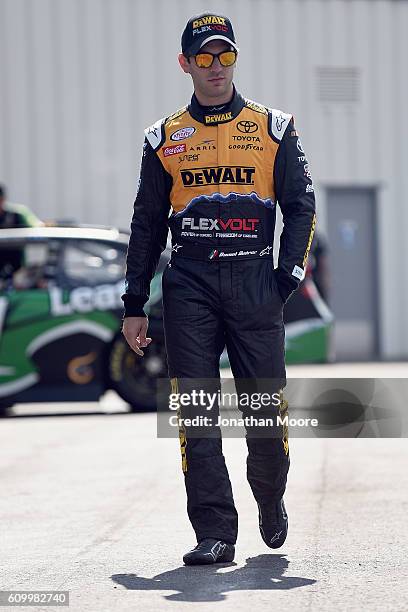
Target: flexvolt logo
{"type": "Point", "coordinates": [205, 224]}
{"type": "Point", "coordinates": [218, 175]}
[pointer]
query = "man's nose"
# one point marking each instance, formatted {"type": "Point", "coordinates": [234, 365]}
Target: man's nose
{"type": "Point", "coordinates": [216, 65]}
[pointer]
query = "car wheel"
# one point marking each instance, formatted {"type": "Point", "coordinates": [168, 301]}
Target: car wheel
{"type": "Point", "coordinates": [133, 377]}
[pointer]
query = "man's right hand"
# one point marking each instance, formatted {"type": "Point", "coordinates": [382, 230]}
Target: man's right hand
{"type": "Point", "coordinates": [135, 329]}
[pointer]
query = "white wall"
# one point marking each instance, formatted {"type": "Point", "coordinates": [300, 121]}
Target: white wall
{"type": "Point", "coordinates": [80, 79]}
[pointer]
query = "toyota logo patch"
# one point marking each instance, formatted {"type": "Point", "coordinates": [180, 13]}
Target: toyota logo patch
{"type": "Point", "coordinates": [247, 127]}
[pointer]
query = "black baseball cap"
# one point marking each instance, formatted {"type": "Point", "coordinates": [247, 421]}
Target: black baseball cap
{"type": "Point", "coordinates": [203, 28]}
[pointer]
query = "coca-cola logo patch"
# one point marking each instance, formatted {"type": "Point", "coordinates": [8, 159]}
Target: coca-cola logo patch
{"type": "Point", "coordinates": [176, 149]}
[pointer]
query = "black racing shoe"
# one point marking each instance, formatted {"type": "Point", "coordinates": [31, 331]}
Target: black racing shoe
{"type": "Point", "coordinates": [209, 551]}
{"type": "Point", "coordinates": [273, 523]}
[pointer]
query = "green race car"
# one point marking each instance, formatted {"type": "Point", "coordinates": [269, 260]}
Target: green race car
{"type": "Point", "coordinates": [61, 311]}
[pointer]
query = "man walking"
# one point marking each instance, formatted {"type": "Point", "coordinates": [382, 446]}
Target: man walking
{"type": "Point", "coordinates": [221, 164]}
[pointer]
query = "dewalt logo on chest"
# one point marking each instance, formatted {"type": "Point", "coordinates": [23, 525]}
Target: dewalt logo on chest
{"type": "Point", "coordinates": [218, 175]}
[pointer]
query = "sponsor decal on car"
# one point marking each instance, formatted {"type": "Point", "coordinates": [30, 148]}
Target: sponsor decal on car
{"type": "Point", "coordinates": [85, 299]}
{"type": "Point", "coordinates": [80, 370]}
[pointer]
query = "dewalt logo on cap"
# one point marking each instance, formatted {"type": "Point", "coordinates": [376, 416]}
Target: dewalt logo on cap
{"type": "Point", "coordinates": [208, 20]}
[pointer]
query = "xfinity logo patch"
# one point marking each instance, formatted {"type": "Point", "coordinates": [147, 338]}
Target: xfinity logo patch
{"type": "Point", "coordinates": [182, 133]}
{"type": "Point", "coordinates": [218, 175]}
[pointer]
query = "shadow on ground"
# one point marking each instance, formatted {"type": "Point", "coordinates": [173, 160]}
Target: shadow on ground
{"type": "Point", "coordinates": [211, 583]}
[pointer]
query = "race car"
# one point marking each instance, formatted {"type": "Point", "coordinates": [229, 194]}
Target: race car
{"type": "Point", "coordinates": [61, 312]}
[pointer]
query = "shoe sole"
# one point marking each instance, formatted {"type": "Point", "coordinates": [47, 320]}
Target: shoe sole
{"type": "Point", "coordinates": [209, 560]}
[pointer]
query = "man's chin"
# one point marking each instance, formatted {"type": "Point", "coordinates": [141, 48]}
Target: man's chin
{"type": "Point", "coordinates": [218, 89]}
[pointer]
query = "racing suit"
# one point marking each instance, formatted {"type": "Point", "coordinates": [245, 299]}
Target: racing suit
{"type": "Point", "coordinates": [221, 171]}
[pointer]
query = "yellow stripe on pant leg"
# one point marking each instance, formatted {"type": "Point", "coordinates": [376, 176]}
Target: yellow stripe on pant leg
{"type": "Point", "coordinates": [283, 412]}
{"type": "Point", "coordinates": [182, 430]}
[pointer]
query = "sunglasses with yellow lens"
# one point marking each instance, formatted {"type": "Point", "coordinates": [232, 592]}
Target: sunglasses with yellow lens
{"type": "Point", "coordinates": [206, 60]}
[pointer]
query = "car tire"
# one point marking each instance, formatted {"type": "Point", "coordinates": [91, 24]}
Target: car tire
{"type": "Point", "coordinates": [135, 378]}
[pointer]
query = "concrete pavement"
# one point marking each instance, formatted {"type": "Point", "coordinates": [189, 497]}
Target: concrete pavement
{"type": "Point", "coordinates": [95, 504]}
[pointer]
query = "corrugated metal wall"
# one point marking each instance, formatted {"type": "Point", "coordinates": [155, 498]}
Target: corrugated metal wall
{"type": "Point", "coordinates": [80, 79]}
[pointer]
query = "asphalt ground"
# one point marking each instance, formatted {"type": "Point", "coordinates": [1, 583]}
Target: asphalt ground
{"type": "Point", "coordinates": [93, 503]}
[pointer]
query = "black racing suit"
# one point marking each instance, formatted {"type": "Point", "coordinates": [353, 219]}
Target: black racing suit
{"type": "Point", "coordinates": [221, 170]}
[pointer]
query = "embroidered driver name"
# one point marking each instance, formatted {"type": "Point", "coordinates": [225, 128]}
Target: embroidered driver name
{"type": "Point", "coordinates": [218, 175]}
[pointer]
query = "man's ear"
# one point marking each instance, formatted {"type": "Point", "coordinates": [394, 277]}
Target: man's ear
{"type": "Point", "coordinates": [183, 61]}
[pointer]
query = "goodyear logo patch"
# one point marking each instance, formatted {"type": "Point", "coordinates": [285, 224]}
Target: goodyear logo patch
{"type": "Point", "coordinates": [219, 175]}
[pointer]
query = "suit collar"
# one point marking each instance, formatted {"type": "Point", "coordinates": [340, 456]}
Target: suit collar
{"type": "Point", "coordinates": [213, 115]}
